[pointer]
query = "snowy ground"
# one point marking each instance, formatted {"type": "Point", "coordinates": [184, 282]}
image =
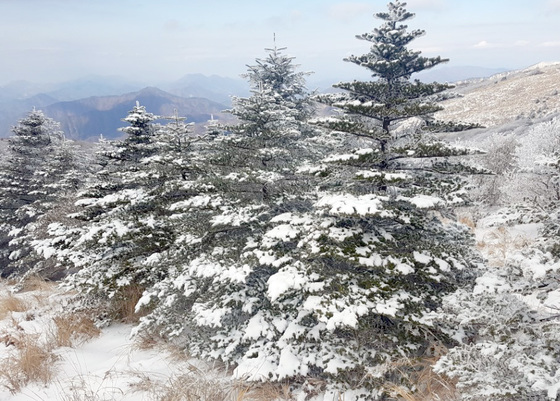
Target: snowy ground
{"type": "Point", "coordinates": [109, 366]}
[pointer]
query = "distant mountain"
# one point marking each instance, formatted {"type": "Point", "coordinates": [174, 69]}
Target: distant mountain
{"type": "Point", "coordinates": [444, 73]}
{"type": "Point", "coordinates": [19, 97]}
{"type": "Point", "coordinates": [216, 88]}
{"type": "Point", "coordinates": [19, 90]}
{"type": "Point", "coordinates": [11, 111]}
{"type": "Point", "coordinates": [88, 118]}
{"type": "Point", "coordinates": [92, 85]}
{"type": "Point", "coordinates": [531, 93]}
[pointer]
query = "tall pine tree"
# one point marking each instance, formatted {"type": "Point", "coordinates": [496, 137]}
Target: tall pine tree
{"type": "Point", "coordinates": [222, 263]}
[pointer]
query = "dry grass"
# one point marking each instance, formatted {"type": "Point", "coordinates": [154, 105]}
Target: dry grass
{"type": "Point", "coordinates": [73, 329]}
{"type": "Point", "coordinates": [467, 220]}
{"type": "Point", "coordinates": [123, 306]}
{"type": "Point", "coordinates": [490, 102]}
{"type": "Point", "coordinates": [189, 386]}
{"type": "Point", "coordinates": [208, 384]}
{"type": "Point", "coordinates": [31, 362]}
{"type": "Point", "coordinates": [35, 283]}
{"type": "Point", "coordinates": [27, 359]}
{"type": "Point", "coordinates": [425, 384]}
{"type": "Point", "coordinates": [10, 303]}
{"type": "Point", "coordinates": [266, 391]}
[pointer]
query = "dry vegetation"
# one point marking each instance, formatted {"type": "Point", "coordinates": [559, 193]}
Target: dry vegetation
{"type": "Point", "coordinates": [10, 303]}
{"type": "Point", "coordinates": [32, 361]}
{"type": "Point", "coordinates": [203, 385]}
{"type": "Point", "coordinates": [29, 359]}
{"type": "Point", "coordinates": [73, 329]}
{"type": "Point", "coordinates": [33, 358]}
{"type": "Point", "coordinates": [499, 243]}
{"type": "Point", "coordinates": [123, 305]}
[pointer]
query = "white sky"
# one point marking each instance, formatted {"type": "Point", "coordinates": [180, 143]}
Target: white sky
{"type": "Point", "coordinates": [154, 41]}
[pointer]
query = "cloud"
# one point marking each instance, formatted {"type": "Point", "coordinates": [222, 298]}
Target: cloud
{"type": "Point", "coordinates": [348, 11]}
{"type": "Point", "coordinates": [425, 4]}
{"type": "Point", "coordinates": [550, 44]}
{"type": "Point", "coordinates": [483, 45]}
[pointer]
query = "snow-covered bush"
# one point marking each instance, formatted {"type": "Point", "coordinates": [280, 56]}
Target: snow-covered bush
{"type": "Point", "coordinates": [536, 181]}
{"type": "Point", "coordinates": [501, 161]}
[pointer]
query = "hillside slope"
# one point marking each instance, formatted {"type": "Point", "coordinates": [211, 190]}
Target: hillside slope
{"type": "Point", "coordinates": [530, 93]}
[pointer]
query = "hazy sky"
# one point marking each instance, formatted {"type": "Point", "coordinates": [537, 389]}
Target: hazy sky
{"type": "Point", "coordinates": [154, 41]}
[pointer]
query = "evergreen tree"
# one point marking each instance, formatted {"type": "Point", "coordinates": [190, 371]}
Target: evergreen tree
{"type": "Point", "coordinates": [38, 171]}
{"type": "Point", "coordinates": [393, 115]}
{"type": "Point", "coordinates": [124, 228]}
{"type": "Point", "coordinates": [270, 137]}
{"type": "Point", "coordinates": [288, 282]}
{"type": "Point", "coordinates": [116, 227]}
{"type": "Point", "coordinates": [218, 285]}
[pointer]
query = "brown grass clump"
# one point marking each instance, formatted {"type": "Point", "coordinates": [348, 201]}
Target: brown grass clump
{"type": "Point", "coordinates": [264, 391]}
{"type": "Point", "coordinates": [123, 305]}
{"type": "Point", "coordinates": [10, 303]}
{"type": "Point", "coordinates": [35, 283]}
{"type": "Point", "coordinates": [499, 243]}
{"type": "Point", "coordinates": [424, 383]}
{"type": "Point", "coordinates": [467, 220]}
{"type": "Point", "coordinates": [74, 328]}
{"type": "Point", "coordinates": [207, 384]}
{"type": "Point", "coordinates": [32, 362]}
{"type": "Point", "coordinates": [188, 386]}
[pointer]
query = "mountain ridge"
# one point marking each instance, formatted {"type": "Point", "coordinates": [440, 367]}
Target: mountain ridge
{"type": "Point", "coordinates": [86, 119]}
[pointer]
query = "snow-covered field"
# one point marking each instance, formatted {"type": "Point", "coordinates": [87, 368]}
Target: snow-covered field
{"type": "Point", "coordinates": [99, 365]}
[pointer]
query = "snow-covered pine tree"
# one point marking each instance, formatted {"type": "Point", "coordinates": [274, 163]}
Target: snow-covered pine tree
{"type": "Point", "coordinates": [118, 228]}
{"type": "Point", "coordinates": [272, 127]}
{"type": "Point", "coordinates": [37, 172]}
{"type": "Point", "coordinates": [224, 260]}
{"type": "Point", "coordinates": [391, 116]}
{"type": "Point", "coordinates": [290, 283]}
{"type": "Point", "coordinates": [352, 278]}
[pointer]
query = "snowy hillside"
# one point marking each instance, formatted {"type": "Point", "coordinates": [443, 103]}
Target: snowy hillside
{"type": "Point", "coordinates": [530, 93]}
